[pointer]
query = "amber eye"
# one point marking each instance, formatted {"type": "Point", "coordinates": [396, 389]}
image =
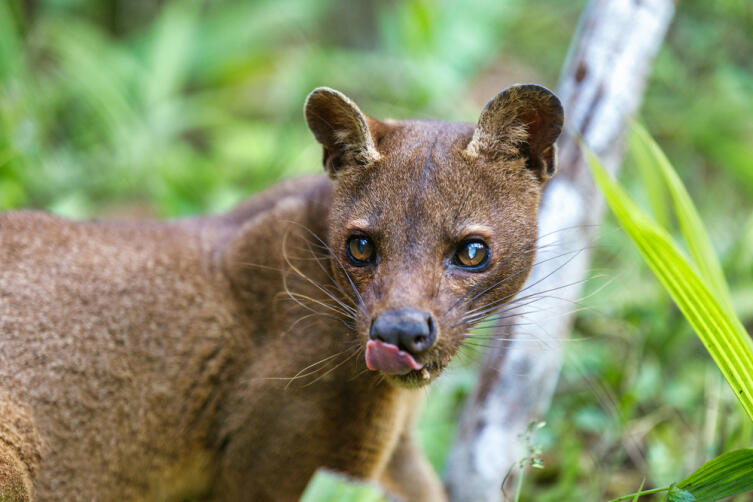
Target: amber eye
{"type": "Point", "coordinates": [360, 250]}
{"type": "Point", "coordinates": [472, 254]}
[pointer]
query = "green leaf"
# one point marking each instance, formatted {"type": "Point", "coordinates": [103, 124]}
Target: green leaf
{"type": "Point", "coordinates": [693, 230]}
{"type": "Point", "coordinates": [726, 475]}
{"type": "Point", "coordinates": [676, 494]}
{"type": "Point", "coordinates": [329, 487]}
{"type": "Point", "coordinates": [713, 321]}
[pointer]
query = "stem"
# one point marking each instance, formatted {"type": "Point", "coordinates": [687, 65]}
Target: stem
{"type": "Point", "coordinates": [519, 487]}
{"type": "Point", "coordinates": [642, 492]}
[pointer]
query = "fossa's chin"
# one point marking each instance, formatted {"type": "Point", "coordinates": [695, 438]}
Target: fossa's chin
{"type": "Point", "coordinates": [416, 378]}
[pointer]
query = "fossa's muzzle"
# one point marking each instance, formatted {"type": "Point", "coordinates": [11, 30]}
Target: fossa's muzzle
{"type": "Point", "coordinates": [397, 338]}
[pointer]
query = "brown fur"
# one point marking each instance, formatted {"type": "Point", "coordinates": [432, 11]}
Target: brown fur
{"type": "Point", "coordinates": [222, 357]}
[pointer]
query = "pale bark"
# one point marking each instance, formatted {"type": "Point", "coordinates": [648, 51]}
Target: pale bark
{"type": "Point", "coordinates": [601, 85]}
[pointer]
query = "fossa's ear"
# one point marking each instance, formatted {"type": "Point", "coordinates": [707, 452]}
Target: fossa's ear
{"type": "Point", "coordinates": [341, 128]}
{"type": "Point", "coordinates": [523, 120]}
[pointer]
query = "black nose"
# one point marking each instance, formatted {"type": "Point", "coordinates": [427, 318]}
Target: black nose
{"type": "Point", "coordinates": [409, 329]}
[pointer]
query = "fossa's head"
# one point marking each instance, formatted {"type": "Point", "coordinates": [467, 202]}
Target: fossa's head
{"type": "Point", "coordinates": [433, 224]}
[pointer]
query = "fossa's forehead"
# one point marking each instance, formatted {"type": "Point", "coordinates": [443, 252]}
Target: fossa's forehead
{"type": "Point", "coordinates": [411, 139]}
{"type": "Point", "coordinates": [422, 210]}
{"type": "Point", "coordinates": [425, 181]}
{"type": "Point", "coordinates": [440, 176]}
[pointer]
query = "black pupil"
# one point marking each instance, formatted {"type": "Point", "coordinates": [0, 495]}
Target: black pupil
{"type": "Point", "coordinates": [360, 249]}
{"type": "Point", "coordinates": [473, 254]}
{"type": "Point", "coordinates": [361, 246]}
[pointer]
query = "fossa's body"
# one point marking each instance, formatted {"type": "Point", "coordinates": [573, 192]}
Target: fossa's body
{"type": "Point", "coordinates": [229, 357]}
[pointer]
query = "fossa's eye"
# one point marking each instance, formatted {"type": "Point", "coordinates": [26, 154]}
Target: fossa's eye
{"type": "Point", "coordinates": [360, 250]}
{"type": "Point", "coordinates": [472, 254]}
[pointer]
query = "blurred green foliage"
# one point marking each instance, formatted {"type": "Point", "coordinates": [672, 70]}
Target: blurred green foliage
{"type": "Point", "coordinates": [134, 108]}
{"type": "Point", "coordinates": [200, 103]}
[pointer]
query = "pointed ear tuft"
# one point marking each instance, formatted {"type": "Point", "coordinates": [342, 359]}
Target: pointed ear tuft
{"type": "Point", "coordinates": [341, 128]}
{"type": "Point", "coordinates": [523, 120]}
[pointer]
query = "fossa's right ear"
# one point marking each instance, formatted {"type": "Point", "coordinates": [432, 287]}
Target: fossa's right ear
{"type": "Point", "coordinates": [341, 128]}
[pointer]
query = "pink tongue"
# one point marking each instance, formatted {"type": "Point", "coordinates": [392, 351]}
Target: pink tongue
{"type": "Point", "coordinates": [389, 359]}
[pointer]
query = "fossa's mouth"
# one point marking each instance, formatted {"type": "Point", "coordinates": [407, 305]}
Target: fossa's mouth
{"type": "Point", "coordinates": [398, 365]}
{"type": "Point", "coordinates": [390, 359]}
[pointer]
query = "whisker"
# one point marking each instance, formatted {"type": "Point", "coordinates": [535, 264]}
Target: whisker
{"type": "Point", "coordinates": [327, 272]}
{"type": "Point", "coordinates": [301, 373]}
{"type": "Point", "coordinates": [331, 370]}
{"type": "Point", "coordinates": [502, 306]}
{"type": "Point", "coordinates": [299, 320]}
{"type": "Point", "coordinates": [348, 311]}
{"type": "Point", "coordinates": [260, 266]}
{"type": "Point", "coordinates": [492, 318]}
{"type": "Point", "coordinates": [534, 248]}
{"type": "Point", "coordinates": [357, 375]}
{"type": "Point", "coordinates": [350, 281]}
{"type": "Point", "coordinates": [503, 299]}
{"type": "Point", "coordinates": [495, 317]}
{"type": "Point", "coordinates": [471, 291]}
{"type": "Point", "coordinates": [323, 314]}
{"type": "Point", "coordinates": [532, 266]}
{"type": "Point", "coordinates": [333, 308]}
{"type": "Point", "coordinates": [331, 297]}
{"type": "Point", "coordinates": [517, 336]}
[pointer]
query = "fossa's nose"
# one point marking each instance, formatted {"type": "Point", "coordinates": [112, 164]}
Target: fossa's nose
{"type": "Point", "coordinates": [409, 329]}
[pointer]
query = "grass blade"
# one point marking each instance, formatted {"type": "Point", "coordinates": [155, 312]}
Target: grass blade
{"type": "Point", "coordinates": [727, 475]}
{"type": "Point", "coordinates": [719, 330]}
{"type": "Point", "coordinates": [691, 225]}
{"type": "Point", "coordinates": [652, 181]}
{"type": "Point", "coordinates": [640, 489]}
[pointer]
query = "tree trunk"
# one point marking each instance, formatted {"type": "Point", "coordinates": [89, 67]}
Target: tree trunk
{"type": "Point", "coordinates": [601, 85]}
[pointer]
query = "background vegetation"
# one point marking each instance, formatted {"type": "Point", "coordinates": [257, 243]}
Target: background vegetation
{"type": "Point", "coordinates": [132, 108]}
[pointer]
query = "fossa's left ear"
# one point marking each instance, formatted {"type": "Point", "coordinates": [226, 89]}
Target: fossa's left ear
{"type": "Point", "coordinates": [341, 128]}
{"type": "Point", "coordinates": [523, 120]}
